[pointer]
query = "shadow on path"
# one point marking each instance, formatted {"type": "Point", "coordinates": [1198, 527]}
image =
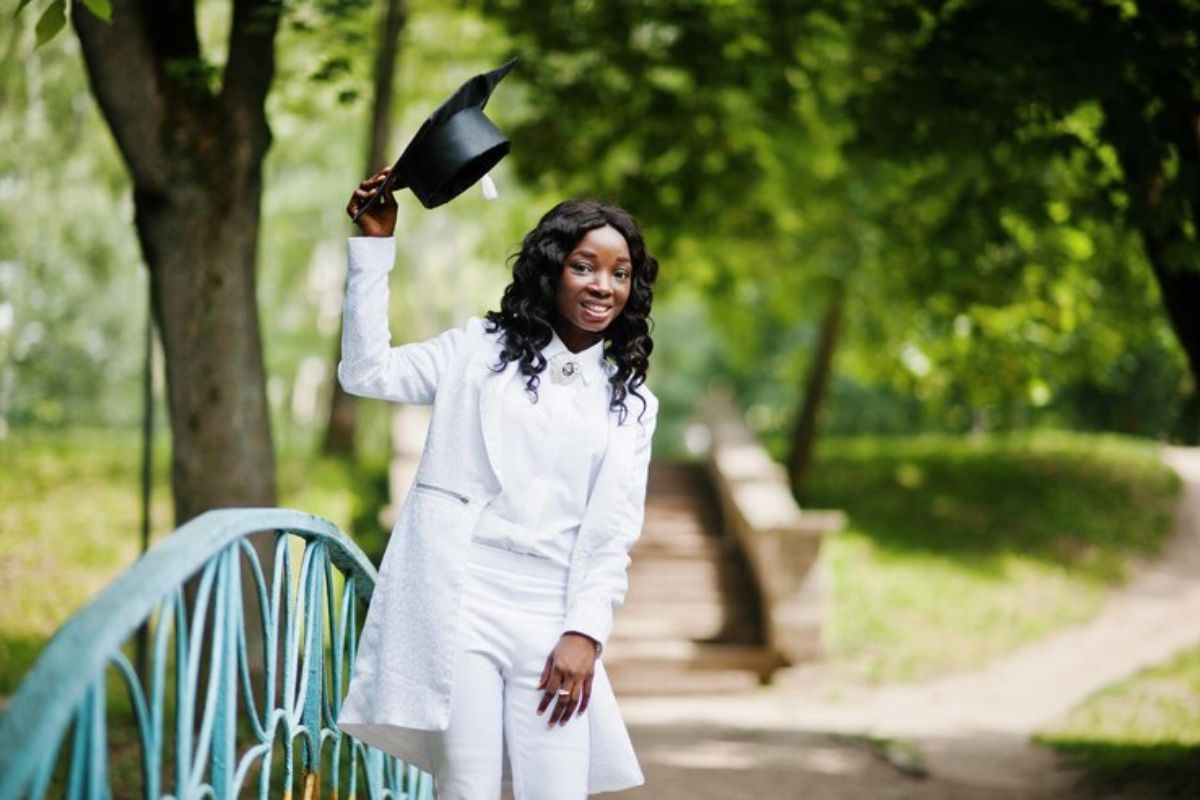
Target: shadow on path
{"type": "Point", "coordinates": [701, 761]}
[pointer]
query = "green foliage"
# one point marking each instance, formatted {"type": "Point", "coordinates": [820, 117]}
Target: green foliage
{"type": "Point", "coordinates": [101, 8]}
{"type": "Point", "coordinates": [52, 20]}
{"type": "Point", "coordinates": [54, 16]}
{"type": "Point", "coordinates": [197, 74]}
{"type": "Point", "coordinates": [69, 521]}
{"type": "Point", "coordinates": [1025, 533]}
{"type": "Point", "coordinates": [668, 107]}
{"type": "Point", "coordinates": [1041, 138]}
{"type": "Point", "coordinates": [991, 283]}
{"type": "Point", "coordinates": [70, 285]}
{"type": "Point", "coordinates": [1140, 736]}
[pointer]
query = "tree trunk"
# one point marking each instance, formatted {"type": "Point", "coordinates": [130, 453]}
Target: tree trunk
{"type": "Point", "coordinates": [200, 245]}
{"type": "Point", "coordinates": [804, 434]}
{"type": "Point", "coordinates": [1180, 290]}
{"type": "Point", "coordinates": [195, 157]}
{"type": "Point", "coordinates": [1161, 209]}
{"type": "Point", "coordinates": [343, 416]}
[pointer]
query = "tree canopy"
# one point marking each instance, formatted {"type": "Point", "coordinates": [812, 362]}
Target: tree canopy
{"type": "Point", "coordinates": [968, 196]}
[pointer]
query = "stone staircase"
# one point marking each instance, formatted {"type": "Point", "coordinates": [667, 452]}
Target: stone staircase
{"type": "Point", "coordinates": [691, 622]}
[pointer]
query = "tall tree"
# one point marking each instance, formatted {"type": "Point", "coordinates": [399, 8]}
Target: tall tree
{"type": "Point", "coordinates": [194, 140]}
{"type": "Point", "coordinates": [804, 430]}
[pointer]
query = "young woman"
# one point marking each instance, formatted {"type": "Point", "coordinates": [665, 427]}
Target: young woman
{"type": "Point", "coordinates": [480, 658]}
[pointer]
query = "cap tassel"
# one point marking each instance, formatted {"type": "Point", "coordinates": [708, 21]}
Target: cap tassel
{"type": "Point", "coordinates": [489, 188]}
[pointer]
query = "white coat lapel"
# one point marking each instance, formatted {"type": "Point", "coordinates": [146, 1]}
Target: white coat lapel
{"type": "Point", "coordinates": [606, 494]}
{"type": "Point", "coordinates": [489, 412]}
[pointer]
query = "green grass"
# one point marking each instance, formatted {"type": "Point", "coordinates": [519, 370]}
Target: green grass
{"type": "Point", "coordinates": [962, 549]}
{"type": "Point", "coordinates": [70, 522]}
{"type": "Point", "coordinates": [1141, 736]}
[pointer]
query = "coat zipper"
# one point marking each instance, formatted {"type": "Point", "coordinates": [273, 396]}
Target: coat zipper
{"type": "Point", "coordinates": [462, 498]}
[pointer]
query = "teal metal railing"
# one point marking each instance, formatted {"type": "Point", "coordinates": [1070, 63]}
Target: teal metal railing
{"type": "Point", "coordinates": [217, 713]}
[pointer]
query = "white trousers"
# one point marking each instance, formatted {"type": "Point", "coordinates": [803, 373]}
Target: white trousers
{"type": "Point", "coordinates": [511, 619]}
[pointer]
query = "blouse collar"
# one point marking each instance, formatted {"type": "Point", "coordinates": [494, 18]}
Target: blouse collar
{"type": "Point", "coordinates": [590, 361]}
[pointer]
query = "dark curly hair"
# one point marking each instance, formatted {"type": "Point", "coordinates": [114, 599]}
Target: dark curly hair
{"type": "Point", "coordinates": [528, 304]}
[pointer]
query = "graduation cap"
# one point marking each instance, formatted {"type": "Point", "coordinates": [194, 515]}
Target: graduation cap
{"type": "Point", "coordinates": [453, 149]}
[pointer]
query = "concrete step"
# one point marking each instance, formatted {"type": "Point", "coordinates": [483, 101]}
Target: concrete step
{"type": "Point", "coordinates": [695, 547]}
{"type": "Point", "coordinates": [697, 621]}
{"type": "Point", "coordinates": [667, 473]}
{"type": "Point", "coordinates": [658, 681]}
{"type": "Point", "coordinates": [682, 667]}
{"type": "Point", "coordinates": [667, 567]}
{"type": "Point", "coordinates": [703, 588]}
{"type": "Point", "coordinates": [691, 622]}
{"type": "Point", "coordinates": [690, 654]}
{"type": "Point", "coordinates": [662, 576]}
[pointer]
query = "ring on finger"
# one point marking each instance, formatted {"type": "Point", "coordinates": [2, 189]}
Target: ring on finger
{"type": "Point", "coordinates": [563, 692]}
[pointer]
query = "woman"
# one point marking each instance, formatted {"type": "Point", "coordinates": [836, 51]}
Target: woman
{"type": "Point", "coordinates": [480, 658]}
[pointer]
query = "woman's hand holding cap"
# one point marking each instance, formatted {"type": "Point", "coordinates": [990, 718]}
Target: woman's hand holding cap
{"type": "Point", "coordinates": [375, 210]}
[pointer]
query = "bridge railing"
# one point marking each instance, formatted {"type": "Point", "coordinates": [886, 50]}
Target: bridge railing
{"type": "Point", "coordinates": [244, 678]}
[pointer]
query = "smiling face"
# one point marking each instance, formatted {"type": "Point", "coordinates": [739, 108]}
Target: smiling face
{"type": "Point", "coordinates": [593, 287]}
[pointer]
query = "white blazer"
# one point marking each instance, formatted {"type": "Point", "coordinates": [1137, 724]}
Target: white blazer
{"type": "Point", "coordinates": [401, 681]}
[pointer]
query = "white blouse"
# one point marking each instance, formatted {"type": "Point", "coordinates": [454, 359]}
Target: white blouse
{"type": "Point", "coordinates": [550, 454]}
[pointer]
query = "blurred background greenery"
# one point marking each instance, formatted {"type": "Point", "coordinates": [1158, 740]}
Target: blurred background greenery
{"type": "Point", "coordinates": [945, 252]}
{"type": "Point", "coordinates": [975, 301]}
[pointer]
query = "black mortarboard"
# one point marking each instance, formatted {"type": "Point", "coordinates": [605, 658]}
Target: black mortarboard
{"type": "Point", "coordinates": [453, 149]}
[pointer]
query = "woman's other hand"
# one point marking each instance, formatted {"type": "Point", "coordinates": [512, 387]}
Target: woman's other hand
{"type": "Point", "coordinates": [380, 218]}
{"type": "Point", "coordinates": [570, 666]}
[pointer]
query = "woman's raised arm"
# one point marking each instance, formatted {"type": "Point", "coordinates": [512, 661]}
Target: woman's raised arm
{"type": "Point", "coordinates": [370, 366]}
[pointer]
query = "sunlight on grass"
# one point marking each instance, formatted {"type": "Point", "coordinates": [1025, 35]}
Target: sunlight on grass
{"type": "Point", "coordinates": [70, 522]}
{"type": "Point", "coordinates": [898, 616]}
{"type": "Point", "coordinates": [960, 550]}
{"type": "Point", "coordinates": [1142, 734]}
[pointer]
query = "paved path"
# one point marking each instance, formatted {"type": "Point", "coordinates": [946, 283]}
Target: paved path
{"type": "Point", "coordinates": [971, 729]}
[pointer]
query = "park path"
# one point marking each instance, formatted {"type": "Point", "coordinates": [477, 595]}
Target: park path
{"type": "Point", "coordinates": [971, 729]}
